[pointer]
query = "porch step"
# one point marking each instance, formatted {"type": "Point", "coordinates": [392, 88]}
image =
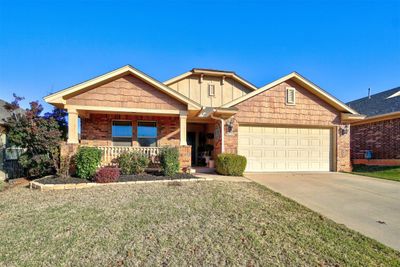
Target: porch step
{"type": "Point", "coordinates": [203, 170]}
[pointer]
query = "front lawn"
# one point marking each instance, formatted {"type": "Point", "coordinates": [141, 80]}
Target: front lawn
{"type": "Point", "coordinates": [201, 223]}
{"type": "Point", "coordinates": [384, 172]}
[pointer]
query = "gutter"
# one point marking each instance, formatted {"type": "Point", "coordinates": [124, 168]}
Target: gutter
{"type": "Point", "coordinates": [222, 130]}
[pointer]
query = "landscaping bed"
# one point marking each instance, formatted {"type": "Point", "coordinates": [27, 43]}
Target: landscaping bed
{"type": "Point", "coordinates": [57, 183]}
{"type": "Point", "coordinates": [383, 172]}
{"type": "Point", "coordinates": [155, 176]}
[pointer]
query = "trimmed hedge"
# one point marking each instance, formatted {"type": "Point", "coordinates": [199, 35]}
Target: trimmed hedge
{"type": "Point", "coordinates": [87, 161]}
{"type": "Point", "coordinates": [230, 164]}
{"type": "Point", "coordinates": [107, 175]}
{"type": "Point", "coordinates": [133, 162]}
{"type": "Point", "coordinates": [169, 159]}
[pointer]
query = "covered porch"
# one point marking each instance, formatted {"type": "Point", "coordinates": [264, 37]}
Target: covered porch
{"type": "Point", "coordinates": [197, 135]}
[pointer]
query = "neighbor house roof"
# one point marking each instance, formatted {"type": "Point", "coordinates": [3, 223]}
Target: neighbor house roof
{"type": "Point", "coordinates": [303, 82]}
{"type": "Point", "coordinates": [378, 104]}
{"type": "Point", "coordinates": [59, 97]}
{"type": "Point", "coordinates": [5, 113]}
{"type": "Point", "coordinates": [212, 72]}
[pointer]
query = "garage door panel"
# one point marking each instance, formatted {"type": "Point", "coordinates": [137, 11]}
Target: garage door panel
{"type": "Point", "coordinates": [285, 149]}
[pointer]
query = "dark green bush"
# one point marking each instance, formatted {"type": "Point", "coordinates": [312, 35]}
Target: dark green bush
{"type": "Point", "coordinates": [231, 164]}
{"type": "Point", "coordinates": [87, 161]}
{"type": "Point", "coordinates": [169, 159]}
{"type": "Point", "coordinates": [133, 162]}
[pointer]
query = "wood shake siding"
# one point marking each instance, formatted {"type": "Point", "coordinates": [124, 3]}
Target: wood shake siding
{"type": "Point", "coordinates": [270, 107]}
{"type": "Point", "coordinates": [126, 92]}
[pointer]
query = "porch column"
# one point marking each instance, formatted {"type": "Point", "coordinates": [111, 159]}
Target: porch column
{"type": "Point", "coordinates": [72, 126]}
{"type": "Point", "coordinates": [182, 127]}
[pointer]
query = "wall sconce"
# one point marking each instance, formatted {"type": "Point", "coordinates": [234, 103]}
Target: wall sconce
{"type": "Point", "coordinates": [344, 129]}
{"type": "Point", "coordinates": [229, 126]}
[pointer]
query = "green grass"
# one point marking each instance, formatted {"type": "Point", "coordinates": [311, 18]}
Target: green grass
{"type": "Point", "coordinates": [3, 185]}
{"type": "Point", "coordinates": [179, 224]}
{"type": "Point", "coordinates": [384, 172]}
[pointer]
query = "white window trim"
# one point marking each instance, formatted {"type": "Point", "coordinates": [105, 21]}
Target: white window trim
{"type": "Point", "coordinates": [287, 96]}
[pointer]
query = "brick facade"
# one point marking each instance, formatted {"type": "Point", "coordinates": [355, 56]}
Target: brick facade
{"type": "Point", "coordinates": [96, 130]}
{"type": "Point", "coordinates": [382, 137]}
{"type": "Point", "coordinates": [269, 108]}
{"type": "Point", "coordinates": [185, 156]}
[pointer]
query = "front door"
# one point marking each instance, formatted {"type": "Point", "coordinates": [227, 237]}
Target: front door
{"type": "Point", "coordinates": [191, 141]}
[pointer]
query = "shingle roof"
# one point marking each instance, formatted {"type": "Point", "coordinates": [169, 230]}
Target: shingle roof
{"type": "Point", "coordinates": [5, 113]}
{"type": "Point", "coordinates": [378, 104]}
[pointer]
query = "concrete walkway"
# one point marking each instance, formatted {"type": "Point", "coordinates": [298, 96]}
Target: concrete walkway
{"type": "Point", "coordinates": [368, 205]}
{"type": "Point", "coordinates": [223, 178]}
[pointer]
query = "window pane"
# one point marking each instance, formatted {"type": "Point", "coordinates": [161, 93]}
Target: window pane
{"type": "Point", "coordinates": [147, 142]}
{"type": "Point", "coordinates": [122, 129]}
{"type": "Point", "coordinates": [147, 129]}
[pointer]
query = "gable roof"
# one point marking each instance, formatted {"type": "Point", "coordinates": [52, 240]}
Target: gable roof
{"type": "Point", "coordinates": [212, 72]}
{"type": "Point", "coordinates": [303, 82]}
{"type": "Point", "coordinates": [58, 97]}
{"type": "Point", "coordinates": [378, 104]}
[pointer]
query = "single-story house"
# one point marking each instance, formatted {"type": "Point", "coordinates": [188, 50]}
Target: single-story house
{"type": "Point", "coordinates": [379, 132]}
{"type": "Point", "coordinates": [290, 124]}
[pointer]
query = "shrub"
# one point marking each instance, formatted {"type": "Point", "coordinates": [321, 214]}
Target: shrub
{"type": "Point", "coordinates": [107, 175]}
{"type": "Point", "coordinates": [231, 164]}
{"type": "Point", "coordinates": [87, 160]}
{"type": "Point", "coordinates": [38, 137]}
{"type": "Point", "coordinates": [169, 159]}
{"type": "Point", "coordinates": [133, 162]}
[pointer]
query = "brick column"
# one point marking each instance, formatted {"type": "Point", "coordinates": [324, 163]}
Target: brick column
{"type": "Point", "coordinates": [185, 156]}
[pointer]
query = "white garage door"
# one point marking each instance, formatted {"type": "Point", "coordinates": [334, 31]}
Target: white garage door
{"type": "Point", "coordinates": [285, 149]}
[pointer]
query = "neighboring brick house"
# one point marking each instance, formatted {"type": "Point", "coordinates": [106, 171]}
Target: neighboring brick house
{"type": "Point", "coordinates": [379, 132]}
{"type": "Point", "coordinates": [288, 125]}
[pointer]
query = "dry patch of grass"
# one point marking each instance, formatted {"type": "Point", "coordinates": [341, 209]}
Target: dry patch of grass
{"type": "Point", "coordinates": [201, 223]}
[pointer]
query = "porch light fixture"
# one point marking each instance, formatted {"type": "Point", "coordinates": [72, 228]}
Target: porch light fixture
{"type": "Point", "coordinates": [344, 129]}
{"type": "Point", "coordinates": [229, 125]}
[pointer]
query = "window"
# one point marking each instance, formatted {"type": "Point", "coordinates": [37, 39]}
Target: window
{"type": "Point", "coordinates": [122, 133]}
{"type": "Point", "coordinates": [211, 89]}
{"type": "Point", "coordinates": [290, 96]}
{"type": "Point", "coordinates": [147, 133]}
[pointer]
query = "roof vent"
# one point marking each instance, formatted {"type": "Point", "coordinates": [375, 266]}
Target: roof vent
{"type": "Point", "coordinates": [369, 93]}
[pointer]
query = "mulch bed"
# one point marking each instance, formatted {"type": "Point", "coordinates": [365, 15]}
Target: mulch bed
{"type": "Point", "coordinates": [154, 176]}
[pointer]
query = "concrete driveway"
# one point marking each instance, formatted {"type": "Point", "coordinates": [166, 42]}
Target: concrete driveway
{"type": "Point", "coordinates": [367, 205]}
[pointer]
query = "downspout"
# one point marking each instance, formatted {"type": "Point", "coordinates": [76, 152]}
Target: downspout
{"type": "Point", "coordinates": [222, 131]}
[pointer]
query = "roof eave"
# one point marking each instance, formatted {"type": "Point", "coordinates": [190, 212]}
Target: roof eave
{"type": "Point", "coordinates": [59, 97]}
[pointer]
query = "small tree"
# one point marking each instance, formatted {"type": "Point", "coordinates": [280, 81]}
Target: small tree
{"type": "Point", "coordinates": [38, 136]}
